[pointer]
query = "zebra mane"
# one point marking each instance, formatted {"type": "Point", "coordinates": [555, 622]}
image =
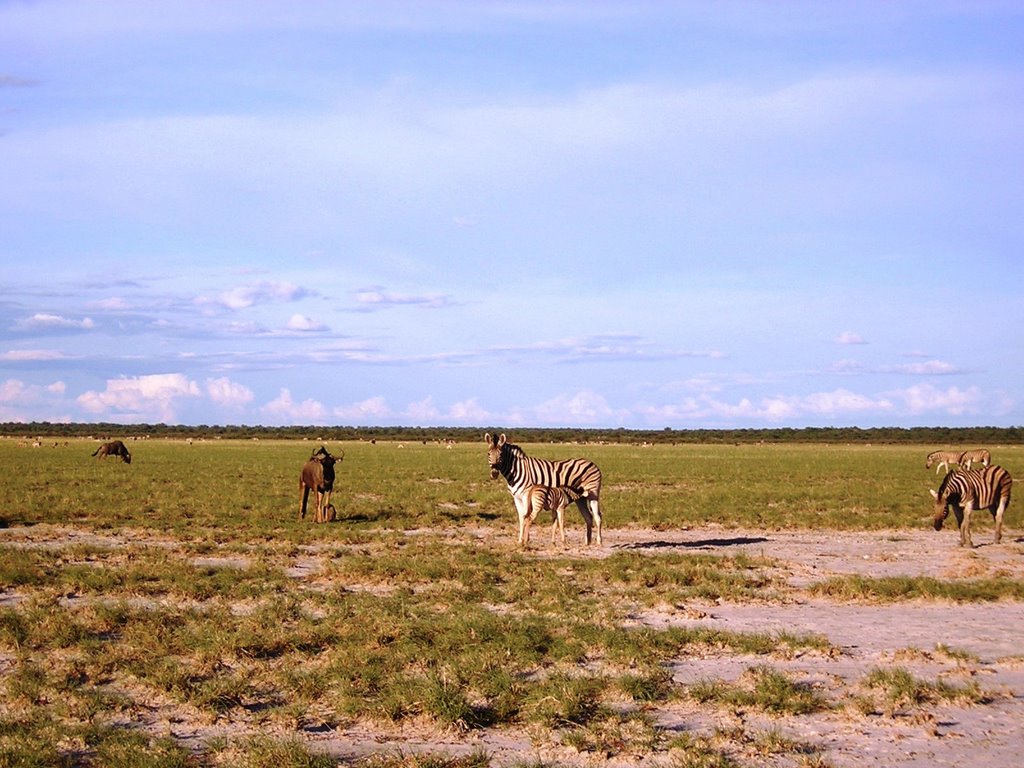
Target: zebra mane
{"type": "Point", "coordinates": [944, 485]}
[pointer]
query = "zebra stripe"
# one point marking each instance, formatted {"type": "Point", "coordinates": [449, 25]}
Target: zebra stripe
{"type": "Point", "coordinates": [980, 455]}
{"type": "Point", "coordinates": [943, 459]}
{"type": "Point", "coordinates": [521, 472]}
{"type": "Point", "coordinates": [965, 490]}
{"type": "Point", "coordinates": [540, 497]}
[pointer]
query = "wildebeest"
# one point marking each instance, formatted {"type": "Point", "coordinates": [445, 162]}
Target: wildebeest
{"type": "Point", "coordinates": [318, 476]}
{"type": "Point", "coordinates": [966, 490]}
{"type": "Point", "coordinates": [114, 448]}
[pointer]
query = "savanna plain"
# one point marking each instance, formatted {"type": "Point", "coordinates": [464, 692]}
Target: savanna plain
{"type": "Point", "coordinates": [752, 605]}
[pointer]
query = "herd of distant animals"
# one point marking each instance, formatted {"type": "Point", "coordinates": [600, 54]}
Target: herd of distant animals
{"type": "Point", "coordinates": [539, 485]}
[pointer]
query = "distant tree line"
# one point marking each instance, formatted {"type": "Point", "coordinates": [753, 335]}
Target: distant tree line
{"type": "Point", "coordinates": [978, 436]}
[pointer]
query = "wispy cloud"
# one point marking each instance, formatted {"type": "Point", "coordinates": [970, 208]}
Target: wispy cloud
{"type": "Point", "coordinates": [376, 298]}
{"type": "Point", "coordinates": [246, 296]}
{"type": "Point", "coordinates": [49, 321]}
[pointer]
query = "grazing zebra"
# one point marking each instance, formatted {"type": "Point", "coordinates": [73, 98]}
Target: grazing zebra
{"type": "Point", "coordinates": [968, 489]}
{"type": "Point", "coordinates": [541, 497]}
{"type": "Point", "coordinates": [967, 458]}
{"type": "Point", "coordinates": [943, 459]}
{"type": "Point", "coordinates": [521, 472]}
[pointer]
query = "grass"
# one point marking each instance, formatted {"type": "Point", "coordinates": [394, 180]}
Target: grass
{"type": "Point", "coordinates": [176, 592]}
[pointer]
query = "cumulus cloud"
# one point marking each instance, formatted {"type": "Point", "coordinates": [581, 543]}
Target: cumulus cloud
{"type": "Point", "coordinates": [227, 393]}
{"type": "Point", "coordinates": [583, 407]}
{"type": "Point", "coordinates": [284, 410]}
{"type": "Point", "coordinates": [141, 397]}
{"type": "Point", "coordinates": [304, 324]}
{"type": "Point", "coordinates": [849, 337]}
{"type": "Point", "coordinates": [365, 412]}
{"type": "Point", "coordinates": [927, 398]}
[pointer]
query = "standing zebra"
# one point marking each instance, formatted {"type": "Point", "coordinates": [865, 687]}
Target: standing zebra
{"type": "Point", "coordinates": [521, 472]}
{"type": "Point", "coordinates": [540, 497]}
{"type": "Point", "coordinates": [943, 459]}
{"type": "Point", "coordinates": [968, 489]}
{"type": "Point", "coordinates": [980, 455]}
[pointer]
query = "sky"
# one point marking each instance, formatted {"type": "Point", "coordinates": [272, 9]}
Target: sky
{"type": "Point", "coordinates": [578, 213]}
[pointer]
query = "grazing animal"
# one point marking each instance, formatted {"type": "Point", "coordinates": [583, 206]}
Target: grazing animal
{"type": "Point", "coordinates": [981, 455]}
{"type": "Point", "coordinates": [318, 476]}
{"type": "Point", "coordinates": [556, 500]}
{"type": "Point", "coordinates": [521, 472]}
{"type": "Point", "coordinates": [943, 459]}
{"type": "Point", "coordinates": [966, 490]}
{"type": "Point", "coordinates": [114, 448]}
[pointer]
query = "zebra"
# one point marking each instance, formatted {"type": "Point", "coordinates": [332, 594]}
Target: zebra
{"type": "Point", "coordinates": [541, 497]}
{"type": "Point", "coordinates": [521, 472]}
{"type": "Point", "coordinates": [968, 489]}
{"type": "Point", "coordinates": [943, 459]}
{"type": "Point", "coordinates": [981, 455]}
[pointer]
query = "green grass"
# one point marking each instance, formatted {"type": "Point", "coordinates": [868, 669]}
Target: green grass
{"type": "Point", "coordinates": [194, 604]}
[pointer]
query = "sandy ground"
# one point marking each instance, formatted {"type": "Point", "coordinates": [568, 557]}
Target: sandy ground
{"type": "Point", "coordinates": [957, 643]}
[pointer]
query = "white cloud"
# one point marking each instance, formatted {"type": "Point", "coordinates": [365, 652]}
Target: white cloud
{"type": "Point", "coordinates": [378, 298]}
{"type": "Point", "coordinates": [364, 413]}
{"type": "Point", "coordinates": [27, 355]}
{"type": "Point", "coordinates": [43, 320]}
{"type": "Point", "coordinates": [849, 337]}
{"type": "Point", "coordinates": [141, 397]}
{"type": "Point", "coordinates": [926, 398]}
{"type": "Point", "coordinates": [246, 296]}
{"type": "Point", "coordinates": [302, 323]}
{"type": "Point", "coordinates": [584, 407]}
{"type": "Point", "coordinates": [228, 393]}
{"type": "Point", "coordinates": [285, 410]}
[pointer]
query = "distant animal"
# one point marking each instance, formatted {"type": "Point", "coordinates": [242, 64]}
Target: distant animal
{"type": "Point", "coordinates": [980, 455]}
{"type": "Point", "coordinates": [521, 472]}
{"type": "Point", "coordinates": [943, 459]}
{"type": "Point", "coordinates": [318, 476]}
{"type": "Point", "coordinates": [965, 490]}
{"type": "Point", "coordinates": [114, 448]}
{"type": "Point", "coordinates": [541, 497]}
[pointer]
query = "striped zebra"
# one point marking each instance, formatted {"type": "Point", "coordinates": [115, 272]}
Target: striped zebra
{"type": "Point", "coordinates": [966, 490]}
{"type": "Point", "coordinates": [521, 472]}
{"type": "Point", "coordinates": [541, 497]}
{"type": "Point", "coordinates": [980, 455]}
{"type": "Point", "coordinates": [943, 459]}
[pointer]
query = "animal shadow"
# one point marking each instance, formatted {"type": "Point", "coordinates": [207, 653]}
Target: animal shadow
{"type": "Point", "coordinates": [735, 541]}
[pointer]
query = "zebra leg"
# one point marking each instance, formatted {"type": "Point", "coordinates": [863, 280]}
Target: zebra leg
{"type": "Point", "coordinates": [558, 525]}
{"type": "Point", "coordinates": [522, 512]}
{"type": "Point", "coordinates": [584, 509]}
{"type": "Point", "coordinates": [999, 520]}
{"type": "Point", "coordinates": [595, 513]}
{"type": "Point", "coordinates": [964, 519]}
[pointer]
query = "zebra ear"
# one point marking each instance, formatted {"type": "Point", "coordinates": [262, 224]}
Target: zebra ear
{"type": "Point", "coordinates": [934, 493]}
{"type": "Point", "coordinates": [487, 438]}
{"type": "Point", "coordinates": [501, 440]}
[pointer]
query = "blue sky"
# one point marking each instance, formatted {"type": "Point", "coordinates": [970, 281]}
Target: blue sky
{"type": "Point", "coordinates": [578, 213]}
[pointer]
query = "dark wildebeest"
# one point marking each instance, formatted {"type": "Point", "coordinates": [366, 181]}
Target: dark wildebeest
{"type": "Point", "coordinates": [318, 476]}
{"type": "Point", "coordinates": [114, 448]}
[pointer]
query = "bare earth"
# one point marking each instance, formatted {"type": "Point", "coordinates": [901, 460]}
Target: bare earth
{"type": "Point", "coordinates": [933, 640]}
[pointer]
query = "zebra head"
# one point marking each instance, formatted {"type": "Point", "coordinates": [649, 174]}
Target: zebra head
{"type": "Point", "coordinates": [495, 444]}
{"type": "Point", "coordinates": [942, 501]}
